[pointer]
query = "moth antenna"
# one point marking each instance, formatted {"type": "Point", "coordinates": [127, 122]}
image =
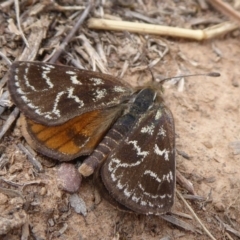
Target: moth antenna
{"type": "Point", "coordinates": [210, 74]}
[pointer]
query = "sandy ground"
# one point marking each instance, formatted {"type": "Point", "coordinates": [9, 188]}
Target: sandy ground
{"type": "Point", "coordinates": [207, 119]}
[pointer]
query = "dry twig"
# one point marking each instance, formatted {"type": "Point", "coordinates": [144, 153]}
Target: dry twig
{"type": "Point", "coordinates": [195, 216]}
{"type": "Point", "coordinates": [38, 33]}
{"type": "Point", "coordinates": [11, 192]}
{"type": "Point", "coordinates": [228, 228]}
{"type": "Point", "coordinates": [180, 223]}
{"type": "Point", "coordinates": [226, 9]}
{"type": "Point", "coordinates": [18, 22]}
{"type": "Point", "coordinates": [199, 35]}
{"type": "Point", "coordinates": [72, 33]}
{"type": "Point", "coordinates": [30, 53]}
{"type": "Point", "coordinates": [37, 165]}
{"type": "Point", "coordinates": [12, 117]}
{"type": "Point", "coordinates": [94, 56]}
{"type": "Point", "coordinates": [184, 182]}
{"type": "Point", "coordinates": [2, 55]}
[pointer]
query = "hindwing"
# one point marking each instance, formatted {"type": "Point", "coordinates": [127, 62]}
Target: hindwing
{"type": "Point", "coordinates": [140, 172]}
{"type": "Point", "coordinates": [76, 137]}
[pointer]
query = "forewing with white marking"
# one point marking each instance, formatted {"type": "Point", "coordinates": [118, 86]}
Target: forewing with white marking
{"type": "Point", "coordinates": [51, 94]}
{"type": "Point", "coordinates": [140, 173]}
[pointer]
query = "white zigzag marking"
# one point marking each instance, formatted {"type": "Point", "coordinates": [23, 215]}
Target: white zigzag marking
{"type": "Point", "coordinates": [160, 153]}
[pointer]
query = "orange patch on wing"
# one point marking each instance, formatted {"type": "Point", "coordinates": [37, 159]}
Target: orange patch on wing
{"type": "Point", "coordinates": [78, 136]}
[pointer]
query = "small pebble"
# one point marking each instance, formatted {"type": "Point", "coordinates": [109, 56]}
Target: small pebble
{"type": "Point", "coordinates": [78, 204]}
{"type": "Point", "coordinates": [68, 178]}
{"type": "Point", "coordinates": [219, 206]}
{"type": "Point", "coordinates": [43, 191]}
{"type": "Point", "coordinates": [3, 199]}
{"type": "Point", "coordinates": [207, 144]}
{"type": "Point", "coordinates": [235, 82]}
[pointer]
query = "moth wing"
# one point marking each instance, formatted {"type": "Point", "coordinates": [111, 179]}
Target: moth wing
{"type": "Point", "coordinates": [78, 136]}
{"type": "Point", "coordinates": [140, 173]}
{"type": "Point", "coordinates": [51, 94]}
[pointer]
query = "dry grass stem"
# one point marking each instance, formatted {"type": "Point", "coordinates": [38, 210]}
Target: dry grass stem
{"type": "Point", "coordinates": [4, 101]}
{"type": "Point", "coordinates": [207, 33]}
{"type": "Point", "coordinates": [203, 4]}
{"type": "Point", "coordinates": [2, 55]}
{"type": "Point", "coordinates": [29, 54]}
{"type": "Point", "coordinates": [25, 229]}
{"type": "Point", "coordinates": [11, 192]}
{"type": "Point", "coordinates": [8, 123]}
{"type": "Point", "coordinates": [180, 223]}
{"type": "Point", "coordinates": [181, 214]}
{"type": "Point", "coordinates": [100, 49]}
{"type": "Point", "coordinates": [228, 228]}
{"type": "Point", "coordinates": [66, 40]}
{"type": "Point", "coordinates": [185, 183]}
{"type": "Point", "coordinates": [226, 9]}
{"type": "Point", "coordinates": [124, 68]}
{"type": "Point", "coordinates": [18, 22]}
{"type": "Point", "coordinates": [55, 6]}
{"type": "Point", "coordinates": [195, 215]}
{"type": "Point", "coordinates": [94, 56]}
{"type": "Point", "coordinates": [35, 38]}
{"type": "Point", "coordinates": [36, 164]}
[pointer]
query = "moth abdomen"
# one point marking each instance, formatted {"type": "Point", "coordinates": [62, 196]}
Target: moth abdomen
{"type": "Point", "coordinates": [118, 132]}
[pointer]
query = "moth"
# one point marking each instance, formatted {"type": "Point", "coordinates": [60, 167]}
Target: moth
{"type": "Point", "coordinates": [69, 112]}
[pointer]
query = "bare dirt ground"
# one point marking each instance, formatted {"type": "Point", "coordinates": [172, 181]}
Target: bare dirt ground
{"type": "Point", "coordinates": [206, 113]}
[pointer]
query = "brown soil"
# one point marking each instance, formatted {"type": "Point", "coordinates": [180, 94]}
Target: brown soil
{"type": "Point", "coordinates": [207, 120]}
